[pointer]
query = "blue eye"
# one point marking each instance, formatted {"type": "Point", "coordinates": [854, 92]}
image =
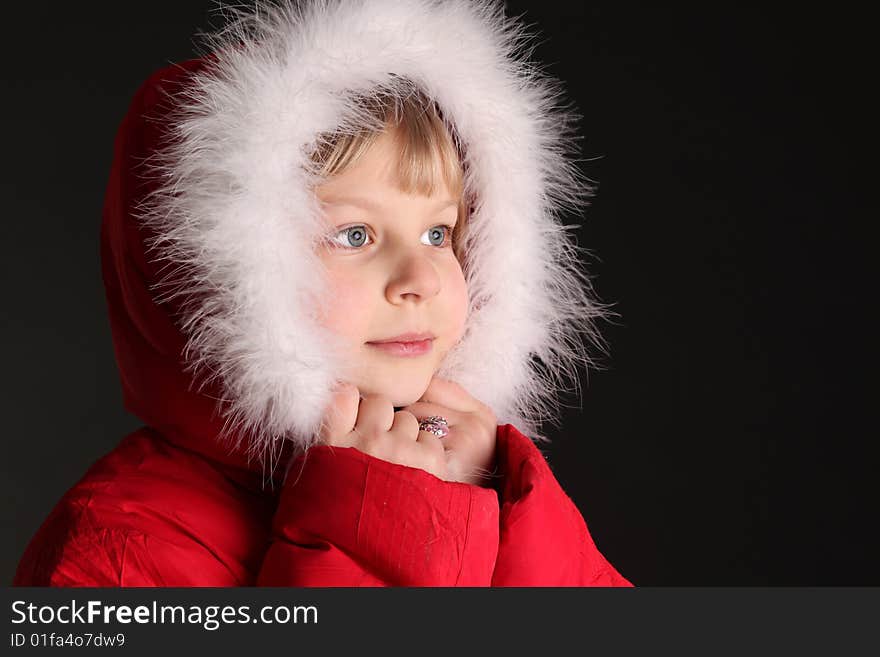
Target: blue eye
{"type": "Point", "coordinates": [356, 236]}
{"type": "Point", "coordinates": [438, 233]}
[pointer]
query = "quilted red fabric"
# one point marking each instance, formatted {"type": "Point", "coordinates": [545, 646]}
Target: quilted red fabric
{"type": "Point", "coordinates": [154, 513]}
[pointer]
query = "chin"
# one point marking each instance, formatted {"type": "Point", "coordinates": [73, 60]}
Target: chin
{"type": "Point", "coordinates": [401, 396]}
{"type": "Point", "coordinates": [402, 391]}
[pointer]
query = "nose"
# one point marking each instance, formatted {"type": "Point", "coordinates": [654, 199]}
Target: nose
{"type": "Point", "coordinates": [414, 277]}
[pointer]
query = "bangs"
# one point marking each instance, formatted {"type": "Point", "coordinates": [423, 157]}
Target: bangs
{"type": "Point", "coordinates": [429, 158]}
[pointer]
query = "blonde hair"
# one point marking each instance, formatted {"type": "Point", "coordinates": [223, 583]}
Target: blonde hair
{"type": "Point", "coordinates": [428, 152]}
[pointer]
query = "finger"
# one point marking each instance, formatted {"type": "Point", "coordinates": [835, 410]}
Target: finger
{"type": "Point", "coordinates": [452, 395]}
{"type": "Point", "coordinates": [435, 447]}
{"type": "Point", "coordinates": [375, 415]}
{"type": "Point", "coordinates": [341, 415]}
{"type": "Point", "coordinates": [423, 410]}
{"type": "Point", "coordinates": [431, 442]}
{"type": "Point", "coordinates": [405, 425]}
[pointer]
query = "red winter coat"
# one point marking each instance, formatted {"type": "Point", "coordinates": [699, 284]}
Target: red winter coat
{"type": "Point", "coordinates": [170, 506]}
{"type": "Point", "coordinates": [154, 512]}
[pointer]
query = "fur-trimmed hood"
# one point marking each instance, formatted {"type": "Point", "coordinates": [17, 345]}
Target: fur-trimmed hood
{"type": "Point", "coordinates": [210, 216]}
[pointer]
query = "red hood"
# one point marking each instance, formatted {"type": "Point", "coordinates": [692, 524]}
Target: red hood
{"type": "Point", "coordinates": [212, 177]}
{"type": "Point", "coordinates": [148, 345]}
{"type": "Point", "coordinates": [227, 208]}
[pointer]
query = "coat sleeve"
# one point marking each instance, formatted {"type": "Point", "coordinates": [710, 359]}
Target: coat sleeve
{"type": "Point", "coordinates": [544, 540]}
{"type": "Point", "coordinates": [108, 557]}
{"type": "Point", "coordinates": [346, 518]}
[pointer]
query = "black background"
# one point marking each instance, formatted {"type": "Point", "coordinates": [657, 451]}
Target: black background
{"type": "Point", "coordinates": [728, 442]}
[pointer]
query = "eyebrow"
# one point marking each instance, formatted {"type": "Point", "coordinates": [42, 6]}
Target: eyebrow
{"type": "Point", "coordinates": [368, 204]}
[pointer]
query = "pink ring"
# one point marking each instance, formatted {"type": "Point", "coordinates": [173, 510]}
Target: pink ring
{"type": "Point", "coordinates": [436, 424]}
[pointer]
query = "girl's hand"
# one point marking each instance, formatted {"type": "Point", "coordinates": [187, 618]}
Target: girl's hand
{"type": "Point", "coordinates": [371, 425]}
{"type": "Point", "coordinates": [470, 444]}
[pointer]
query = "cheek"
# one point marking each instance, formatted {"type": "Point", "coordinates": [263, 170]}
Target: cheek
{"type": "Point", "coordinates": [341, 311]}
{"type": "Point", "coordinates": [457, 304]}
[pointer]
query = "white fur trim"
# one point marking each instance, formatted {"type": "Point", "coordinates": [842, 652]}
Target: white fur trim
{"type": "Point", "coordinates": [236, 217]}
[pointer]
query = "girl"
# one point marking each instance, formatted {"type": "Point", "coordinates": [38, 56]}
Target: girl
{"type": "Point", "coordinates": [340, 300]}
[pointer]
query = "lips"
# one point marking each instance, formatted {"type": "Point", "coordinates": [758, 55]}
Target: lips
{"type": "Point", "coordinates": [405, 337]}
{"type": "Point", "coordinates": [406, 344]}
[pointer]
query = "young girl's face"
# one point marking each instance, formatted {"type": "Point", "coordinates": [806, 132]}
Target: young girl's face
{"type": "Point", "coordinates": [392, 271]}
